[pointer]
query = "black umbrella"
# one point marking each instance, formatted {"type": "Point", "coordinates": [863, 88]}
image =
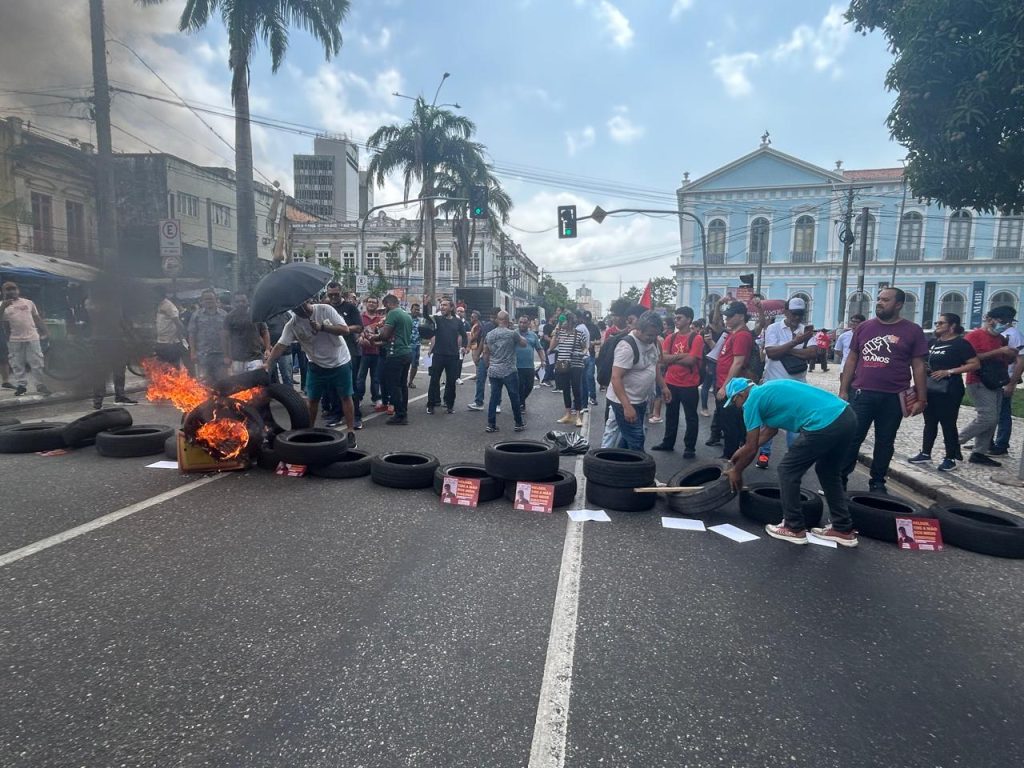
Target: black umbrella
{"type": "Point", "coordinates": [287, 287]}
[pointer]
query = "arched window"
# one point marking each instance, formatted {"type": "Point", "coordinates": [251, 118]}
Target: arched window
{"type": "Point", "coordinates": [909, 311]}
{"type": "Point", "coordinates": [869, 231]}
{"type": "Point", "coordinates": [759, 229]}
{"type": "Point", "coordinates": [958, 236]}
{"type": "Point", "coordinates": [909, 246]}
{"type": "Point", "coordinates": [1008, 238]}
{"type": "Point", "coordinates": [858, 304]}
{"type": "Point", "coordinates": [807, 301]}
{"type": "Point", "coordinates": [953, 302]}
{"type": "Point", "coordinates": [1002, 299]}
{"type": "Point", "coordinates": [716, 242]}
{"type": "Point", "coordinates": [803, 240]}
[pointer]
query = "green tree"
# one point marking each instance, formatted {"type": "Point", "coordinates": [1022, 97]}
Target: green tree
{"type": "Point", "coordinates": [249, 23]}
{"type": "Point", "coordinates": [633, 294]}
{"type": "Point", "coordinates": [434, 141]}
{"type": "Point", "coordinates": [663, 292]}
{"type": "Point", "coordinates": [554, 295]}
{"type": "Point", "coordinates": [959, 108]}
{"type": "Point", "coordinates": [455, 182]}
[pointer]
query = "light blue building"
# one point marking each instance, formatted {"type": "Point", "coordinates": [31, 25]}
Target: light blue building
{"type": "Point", "coordinates": [781, 219]}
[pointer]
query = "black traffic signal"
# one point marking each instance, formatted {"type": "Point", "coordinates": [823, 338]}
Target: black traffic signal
{"type": "Point", "coordinates": [566, 221]}
{"type": "Point", "coordinates": [478, 201]}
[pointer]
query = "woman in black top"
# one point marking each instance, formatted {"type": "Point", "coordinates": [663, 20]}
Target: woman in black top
{"type": "Point", "coordinates": [949, 356]}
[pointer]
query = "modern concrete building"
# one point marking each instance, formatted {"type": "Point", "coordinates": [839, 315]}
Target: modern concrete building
{"type": "Point", "coordinates": [329, 184]}
{"type": "Point", "coordinates": [585, 300]}
{"type": "Point", "coordinates": [780, 218]}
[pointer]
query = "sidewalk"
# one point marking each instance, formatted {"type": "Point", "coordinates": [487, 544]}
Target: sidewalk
{"type": "Point", "coordinates": [967, 484]}
{"type": "Point", "coordinates": [61, 394]}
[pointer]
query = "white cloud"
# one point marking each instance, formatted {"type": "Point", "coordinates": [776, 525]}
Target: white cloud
{"type": "Point", "coordinates": [679, 7]}
{"type": "Point", "coordinates": [731, 69]}
{"type": "Point", "coordinates": [376, 44]}
{"type": "Point", "coordinates": [330, 93]}
{"type": "Point", "coordinates": [616, 24]}
{"type": "Point", "coordinates": [622, 129]}
{"type": "Point", "coordinates": [580, 140]}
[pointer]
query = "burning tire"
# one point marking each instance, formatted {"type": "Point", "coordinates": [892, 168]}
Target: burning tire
{"type": "Point", "coordinates": [521, 460]}
{"type": "Point", "coordinates": [565, 488]}
{"type": "Point", "coordinates": [29, 438]}
{"type": "Point", "coordinates": [241, 382]}
{"type": "Point", "coordinates": [130, 442]}
{"type": "Point", "coordinates": [82, 432]}
{"type": "Point", "coordinates": [225, 428]}
{"type": "Point", "coordinates": [874, 514]}
{"type": "Point", "coordinates": [619, 499]}
{"type": "Point", "coordinates": [403, 469]}
{"type": "Point", "coordinates": [491, 488]}
{"type": "Point", "coordinates": [292, 402]}
{"type": "Point", "coordinates": [761, 503]}
{"type": "Point", "coordinates": [619, 468]}
{"type": "Point", "coordinates": [311, 447]}
{"type": "Point", "coordinates": [353, 463]}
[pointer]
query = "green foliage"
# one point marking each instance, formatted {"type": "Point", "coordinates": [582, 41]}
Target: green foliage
{"type": "Point", "coordinates": [959, 108]}
{"type": "Point", "coordinates": [554, 295]}
{"type": "Point", "coordinates": [663, 292]}
{"type": "Point", "coordinates": [633, 294]}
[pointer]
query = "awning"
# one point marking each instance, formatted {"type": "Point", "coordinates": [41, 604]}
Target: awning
{"type": "Point", "coordinates": [45, 267]}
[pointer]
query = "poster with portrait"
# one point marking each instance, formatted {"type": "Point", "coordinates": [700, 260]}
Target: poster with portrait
{"type": "Point", "coordinates": [460, 491]}
{"type": "Point", "coordinates": [534, 497]}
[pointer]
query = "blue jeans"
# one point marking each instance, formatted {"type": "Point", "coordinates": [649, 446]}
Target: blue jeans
{"type": "Point", "coordinates": [511, 383]}
{"type": "Point", "coordinates": [631, 435]}
{"type": "Point", "coordinates": [281, 373]}
{"type": "Point", "coordinates": [1005, 425]}
{"type": "Point", "coordinates": [481, 380]}
{"type": "Point", "coordinates": [766, 449]}
{"type": "Point", "coordinates": [589, 381]}
{"type": "Point", "coordinates": [368, 364]}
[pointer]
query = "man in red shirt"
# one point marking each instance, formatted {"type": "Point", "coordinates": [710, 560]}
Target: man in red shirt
{"type": "Point", "coordinates": [732, 361]}
{"type": "Point", "coordinates": [682, 358]}
{"type": "Point", "coordinates": [990, 344]}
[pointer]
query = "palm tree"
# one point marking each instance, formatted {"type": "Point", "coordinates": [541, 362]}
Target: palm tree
{"type": "Point", "coordinates": [249, 22]}
{"type": "Point", "coordinates": [456, 183]}
{"type": "Point", "coordinates": [435, 140]}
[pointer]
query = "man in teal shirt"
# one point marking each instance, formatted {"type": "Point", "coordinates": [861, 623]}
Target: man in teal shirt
{"type": "Point", "coordinates": [396, 333]}
{"type": "Point", "coordinates": [825, 424]}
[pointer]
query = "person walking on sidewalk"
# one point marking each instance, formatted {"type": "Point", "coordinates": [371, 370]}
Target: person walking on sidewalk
{"type": "Point", "coordinates": [499, 351]}
{"type": "Point", "coordinates": [570, 347]}
{"type": "Point", "coordinates": [25, 332]}
{"type": "Point", "coordinates": [396, 345]}
{"type": "Point", "coordinates": [682, 359]}
{"type": "Point", "coordinates": [825, 425]}
{"type": "Point", "coordinates": [524, 360]}
{"type": "Point", "coordinates": [949, 356]}
{"type": "Point", "coordinates": [446, 352]}
{"type": "Point", "coordinates": [986, 385]}
{"type": "Point", "coordinates": [1001, 442]}
{"type": "Point", "coordinates": [884, 353]}
{"type": "Point", "coordinates": [635, 375]}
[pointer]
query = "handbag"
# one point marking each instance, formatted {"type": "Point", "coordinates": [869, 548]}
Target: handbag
{"type": "Point", "coordinates": [562, 366]}
{"type": "Point", "coordinates": [794, 365]}
{"type": "Point", "coordinates": [993, 374]}
{"type": "Point", "coordinates": [937, 386]}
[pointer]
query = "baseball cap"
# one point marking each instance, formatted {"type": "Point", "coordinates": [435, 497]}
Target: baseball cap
{"type": "Point", "coordinates": [735, 386]}
{"type": "Point", "coordinates": [796, 304]}
{"type": "Point", "coordinates": [735, 308]}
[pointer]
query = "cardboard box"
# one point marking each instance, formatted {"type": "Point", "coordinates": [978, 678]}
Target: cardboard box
{"type": "Point", "coordinates": [192, 458]}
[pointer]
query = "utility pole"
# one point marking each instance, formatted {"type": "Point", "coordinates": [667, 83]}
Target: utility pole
{"type": "Point", "coordinates": [105, 204]}
{"type": "Point", "coordinates": [847, 246]}
{"type": "Point", "coordinates": [862, 266]}
{"type": "Point", "coordinates": [209, 242]}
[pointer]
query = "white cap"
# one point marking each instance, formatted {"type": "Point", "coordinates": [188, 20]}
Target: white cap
{"type": "Point", "coordinates": [796, 304]}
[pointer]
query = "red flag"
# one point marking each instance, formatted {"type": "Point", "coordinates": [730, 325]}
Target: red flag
{"type": "Point", "coordinates": [645, 300]}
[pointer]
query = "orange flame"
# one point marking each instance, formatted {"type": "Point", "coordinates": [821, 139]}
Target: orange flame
{"type": "Point", "coordinates": [169, 383]}
{"type": "Point", "coordinates": [224, 437]}
{"type": "Point", "coordinates": [247, 395]}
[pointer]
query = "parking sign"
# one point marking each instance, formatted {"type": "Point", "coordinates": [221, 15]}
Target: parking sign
{"type": "Point", "coordinates": [170, 238]}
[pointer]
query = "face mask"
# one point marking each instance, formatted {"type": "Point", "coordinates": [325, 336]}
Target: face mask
{"type": "Point", "coordinates": [1000, 327]}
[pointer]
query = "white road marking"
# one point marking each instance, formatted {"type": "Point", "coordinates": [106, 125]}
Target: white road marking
{"type": "Point", "coordinates": [551, 727]}
{"type": "Point", "coordinates": [59, 538]}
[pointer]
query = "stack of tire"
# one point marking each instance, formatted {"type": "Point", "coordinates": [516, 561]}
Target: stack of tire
{"type": "Point", "coordinates": [715, 489]}
{"type": "Point", "coordinates": [324, 452]}
{"type": "Point", "coordinates": [613, 473]}
{"type": "Point", "coordinates": [529, 461]}
{"type": "Point", "coordinates": [111, 430]}
{"type": "Point", "coordinates": [491, 487]}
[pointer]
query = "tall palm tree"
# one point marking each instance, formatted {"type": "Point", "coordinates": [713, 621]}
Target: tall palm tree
{"type": "Point", "coordinates": [249, 22]}
{"type": "Point", "coordinates": [456, 183]}
{"type": "Point", "coordinates": [433, 141]}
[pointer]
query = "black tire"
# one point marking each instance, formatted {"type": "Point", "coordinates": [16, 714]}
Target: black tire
{"type": "Point", "coordinates": [521, 460]}
{"type": "Point", "coordinates": [874, 514]}
{"type": "Point", "coordinates": [619, 499]}
{"type": "Point", "coordinates": [403, 469]}
{"type": "Point", "coordinates": [491, 488]}
{"type": "Point", "coordinates": [6, 421]}
{"type": "Point", "coordinates": [171, 447]}
{"type": "Point", "coordinates": [83, 431]}
{"type": "Point", "coordinates": [619, 468]}
{"type": "Point", "coordinates": [760, 502]}
{"type": "Point", "coordinates": [982, 529]}
{"type": "Point", "coordinates": [292, 402]}
{"type": "Point", "coordinates": [268, 458]}
{"type": "Point", "coordinates": [242, 381]}
{"type": "Point", "coordinates": [565, 488]}
{"type": "Point", "coordinates": [353, 463]}
{"type": "Point", "coordinates": [311, 447]}
{"type": "Point", "coordinates": [29, 438]}
{"type": "Point", "coordinates": [716, 491]}
{"type": "Point", "coordinates": [133, 441]}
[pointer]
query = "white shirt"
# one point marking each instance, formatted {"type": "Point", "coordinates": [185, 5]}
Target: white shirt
{"type": "Point", "coordinates": [775, 335]}
{"type": "Point", "coordinates": [1015, 339]}
{"type": "Point", "coordinates": [638, 380]}
{"type": "Point", "coordinates": [582, 328]}
{"type": "Point", "coordinates": [843, 345]}
{"type": "Point", "coordinates": [325, 349]}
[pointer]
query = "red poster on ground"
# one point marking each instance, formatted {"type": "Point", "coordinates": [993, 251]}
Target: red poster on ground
{"type": "Point", "coordinates": [534, 497]}
{"type": "Point", "coordinates": [921, 533]}
{"type": "Point", "coordinates": [290, 470]}
{"type": "Point", "coordinates": [460, 491]}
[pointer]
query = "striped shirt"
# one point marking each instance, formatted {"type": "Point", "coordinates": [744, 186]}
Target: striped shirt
{"type": "Point", "coordinates": [572, 346]}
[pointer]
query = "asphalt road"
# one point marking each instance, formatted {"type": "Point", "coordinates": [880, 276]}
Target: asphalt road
{"type": "Point", "coordinates": [266, 621]}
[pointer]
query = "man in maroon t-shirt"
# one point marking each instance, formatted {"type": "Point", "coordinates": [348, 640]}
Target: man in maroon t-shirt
{"type": "Point", "coordinates": [731, 363]}
{"type": "Point", "coordinates": [883, 352]}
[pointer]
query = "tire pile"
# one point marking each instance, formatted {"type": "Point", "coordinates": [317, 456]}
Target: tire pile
{"type": "Point", "coordinates": [111, 430]}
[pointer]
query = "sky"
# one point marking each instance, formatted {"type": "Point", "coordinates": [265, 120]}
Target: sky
{"type": "Point", "coordinates": [585, 102]}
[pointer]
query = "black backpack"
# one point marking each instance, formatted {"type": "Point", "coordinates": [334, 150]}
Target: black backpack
{"type": "Point", "coordinates": [606, 356]}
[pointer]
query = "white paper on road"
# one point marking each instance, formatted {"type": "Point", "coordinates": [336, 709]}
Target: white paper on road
{"type": "Point", "coordinates": [683, 524]}
{"type": "Point", "coordinates": [163, 465]}
{"type": "Point", "coordinates": [581, 515]}
{"type": "Point", "coordinates": [812, 539]}
{"type": "Point", "coordinates": [541, 373]}
{"type": "Point", "coordinates": [734, 533]}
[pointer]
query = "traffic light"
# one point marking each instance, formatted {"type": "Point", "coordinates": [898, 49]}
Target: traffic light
{"type": "Point", "coordinates": [478, 201]}
{"type": "Point", "coordinates": [566, 221]}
